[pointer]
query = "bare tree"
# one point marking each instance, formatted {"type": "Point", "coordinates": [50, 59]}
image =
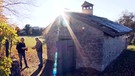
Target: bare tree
{"type": "Point", "coordinates": [16, 7]}
{"type": "Point", "coordinates": [128, 19]}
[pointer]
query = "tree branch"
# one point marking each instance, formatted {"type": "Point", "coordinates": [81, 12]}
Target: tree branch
{"type": "Point", "coordinates": [17, 3]}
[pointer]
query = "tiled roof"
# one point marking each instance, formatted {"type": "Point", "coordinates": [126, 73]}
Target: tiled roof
{"type": "Point", "coordinates": [107, 26]}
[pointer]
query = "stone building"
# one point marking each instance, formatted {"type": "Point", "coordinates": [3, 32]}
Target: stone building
{"type": "Point", "coordinates": [84, 40]}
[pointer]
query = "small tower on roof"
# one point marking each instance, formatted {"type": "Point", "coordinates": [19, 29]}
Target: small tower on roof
{"type": "Point", "coordinates": [87, 8]}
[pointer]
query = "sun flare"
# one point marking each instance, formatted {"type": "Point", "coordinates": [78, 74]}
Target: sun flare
{"type": "Point", "coordinates": [59, 7]}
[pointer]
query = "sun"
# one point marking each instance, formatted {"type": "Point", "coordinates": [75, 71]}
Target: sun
{"type": "Point", "coordinates": [59, 11]}
{"type": "Point", "coordinates": [59, 6]}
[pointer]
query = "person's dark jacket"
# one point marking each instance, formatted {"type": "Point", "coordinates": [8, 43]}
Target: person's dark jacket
{"type": "Point", "coordinates": [19, 47]}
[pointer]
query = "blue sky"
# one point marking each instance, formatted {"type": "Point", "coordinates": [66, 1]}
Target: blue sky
{"type": "Point", "coordinates": [47, 10]}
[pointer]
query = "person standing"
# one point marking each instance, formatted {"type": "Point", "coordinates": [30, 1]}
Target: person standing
{"type": "Point", "coordinates": [21, 47]}
{"type": "Point", "coordinates": [39, 50]}
{"type": "Point", "coordinates": [7, 47]}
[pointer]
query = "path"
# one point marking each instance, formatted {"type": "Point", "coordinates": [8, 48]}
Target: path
{"type": "Point", "coordinates": [33, 69]}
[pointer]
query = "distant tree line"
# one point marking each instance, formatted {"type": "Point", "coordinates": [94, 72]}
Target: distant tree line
{"type": "Point", "coordinates": [29, 31]}
{"type": "Point", "coordinates": [128, 19]}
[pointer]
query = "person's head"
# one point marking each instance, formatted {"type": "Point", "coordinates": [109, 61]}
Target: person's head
{"type": "Point", "coordinates": [22, 39]}
{"type": "Point", "coordinates": [37, 39]}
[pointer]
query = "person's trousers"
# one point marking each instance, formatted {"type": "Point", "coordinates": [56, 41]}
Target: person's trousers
{"type": "Point", "coordinates": [7, 52]}
{"type": "Point", "coordinates": [40, 58]}
{"type": "Point", "coordinates": [25, 61]}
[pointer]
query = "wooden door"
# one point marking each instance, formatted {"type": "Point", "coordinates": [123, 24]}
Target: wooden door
{"type": "Point", "coordinates": [66, 56]}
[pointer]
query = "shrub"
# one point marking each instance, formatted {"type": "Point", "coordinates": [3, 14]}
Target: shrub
{"type": "Point", "coordinates": [5, 65]}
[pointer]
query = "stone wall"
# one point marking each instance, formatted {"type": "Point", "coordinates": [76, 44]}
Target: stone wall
{"type": "Point", "coordinates": [112, 48]}
{"type": "Point", "coordinates": [91, 40]}
{"type": "Point", "coordinates": [98, 49]}
{"type": "Point", "coordinates": [51, 38]}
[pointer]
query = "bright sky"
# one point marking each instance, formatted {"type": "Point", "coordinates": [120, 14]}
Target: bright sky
{"type": "Point", "coordinates": [47, 10]}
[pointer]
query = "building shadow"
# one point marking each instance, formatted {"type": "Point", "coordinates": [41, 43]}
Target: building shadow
{"type": "Point", "coordinates": [123, 65]}
{"type": "Point", "coordinates": [47, 70]}
{"type": "Point", "coordinates": [36, 72]}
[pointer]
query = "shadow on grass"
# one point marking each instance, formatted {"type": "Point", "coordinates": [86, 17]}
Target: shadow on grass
{"type": "Point", "coordinates": [124, 65]}
{"type": "Point", "coordinates": [36, 72]}
{"type": "Point", "coordinates": [47, 71]}
{"type": "Point", "coordinates": [23, 69]}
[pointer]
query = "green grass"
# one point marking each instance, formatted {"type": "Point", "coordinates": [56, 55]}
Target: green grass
{"type": "Point", "coordinates": [131, 47]}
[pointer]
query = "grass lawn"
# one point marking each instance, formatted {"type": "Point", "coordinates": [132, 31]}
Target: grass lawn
{"type": "Point", "coordinates": [31, 55]}
{"type": "Point", "coordinates": [131, 47]}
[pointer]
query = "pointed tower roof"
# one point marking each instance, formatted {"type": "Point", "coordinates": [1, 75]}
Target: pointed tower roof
{"type": "Point", "coordinates": [86, 4]}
